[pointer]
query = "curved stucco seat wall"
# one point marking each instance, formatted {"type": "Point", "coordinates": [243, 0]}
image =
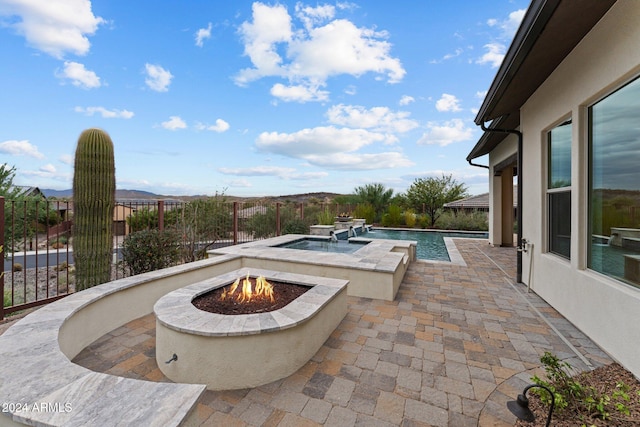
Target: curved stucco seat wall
{"type": "Point", "coordinates": [41, 386]}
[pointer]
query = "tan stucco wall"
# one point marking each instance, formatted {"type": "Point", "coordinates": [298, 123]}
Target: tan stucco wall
{"type": "Point", "coordinates": [607, 310]}
{"type": "Point", "coordinates": [502, 152]}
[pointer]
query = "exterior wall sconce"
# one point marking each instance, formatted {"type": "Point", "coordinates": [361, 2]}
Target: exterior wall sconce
{"type": "Point", "coordinates": [520, 407]}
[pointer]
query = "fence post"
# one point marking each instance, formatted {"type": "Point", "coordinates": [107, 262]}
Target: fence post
{"type": "Point", "coordinates": [2, 255]}
{"type": "Point", "coordinates": [161, 215]}
{"type": "Point", "coordinates": [277, 218]}
{"type": "Point", "coordinates": [235, 223]}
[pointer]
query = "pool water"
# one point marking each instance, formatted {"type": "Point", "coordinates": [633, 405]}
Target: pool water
{"type": "Point", "coordinates": [431, 244]}
{"type": "Point", "coordinates": [323, 245]}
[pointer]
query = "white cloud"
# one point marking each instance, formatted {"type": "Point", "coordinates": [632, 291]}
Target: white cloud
{"type": "Point", "coordinates": [496, 50]}
{"type": "Point", "coordinates": [448, 103]}
{"type": "Point", "coordinates": [510, 25]}
{"type": "Point", "coordinates": [361, 161]}
{"type": "Point", "coordinates": [332, 148]}
{"type": "Point", "coordinates": [481, 94]}
{"type": "Point", "coordinates": [448, 56]}
{"type": "Point", "coordinates": [313, 54]}
{"type": "Point", "coordinates": [279, 172]}
{"type": "Point", "coordinates": [107, 114]}
{"type": "Point", "coordinates": [271, 25]}
{"type": "Point", "coordinates": [48, 168]}
{"type": "Point", "coordinates": [376, 118]}
{"type": "Point", "coordinates": [317, 141]}
{"type": "Point", "coordinates": [220, 126]}
{"type": "Point", "coordinates": [298, 93]}
{"type": "Point", "coordinates": [79, 75]}
{"type": "Point", "coordinates": [20, 148]}
{"type": "Point", "coordinates": [446, 133]}
{"type": "Point", "coordinates": [202, 34]}
{"type": "Point", "coordinates": [67, 159]}
{"type": "Point", "coordinates": [53, 26]}
{"type": "Point", "coordinates": [311, 16]}
{"type": "Point", "coordinates": [406, 100]}
{"type": "Point", "coordinates": [307, 176]}
{"type": "Point", "coordinates": [158, 78]}
{"type": "Point", "coordinates": [257, 171]}
{"type": "Point", "coordinates": [174, 123]}
{"type": "Point", "coordinates": [494, 55]}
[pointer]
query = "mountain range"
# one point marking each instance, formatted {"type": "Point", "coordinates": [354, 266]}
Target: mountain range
{"type": "Point", "coordinates": [145, 195]}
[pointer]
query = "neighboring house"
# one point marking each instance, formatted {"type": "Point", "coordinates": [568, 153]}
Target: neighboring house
{"type": "Point", "coordinates": [564, 111]}
{"type": "Point", "coordinates": [26, 191]}
{"type": "Point", "coordinates": [120, 214]}
{"type": "Point", "coordinates": [479, 202]}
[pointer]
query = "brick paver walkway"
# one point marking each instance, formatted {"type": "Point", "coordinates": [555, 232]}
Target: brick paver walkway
{"type": "Point", "coordinates": [454, 346]}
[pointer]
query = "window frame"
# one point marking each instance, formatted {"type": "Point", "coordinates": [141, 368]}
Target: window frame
{"type": "Point", "coordinates": [551, 191]}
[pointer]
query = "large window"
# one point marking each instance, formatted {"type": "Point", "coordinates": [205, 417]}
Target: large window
{"type": "Point", "coordinates": [559, 189]}
{"type": "Point", "coordinates": [614, 184]}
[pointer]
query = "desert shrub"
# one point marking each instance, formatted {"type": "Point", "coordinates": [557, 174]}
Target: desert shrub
{"type": "Point", "coordinates": [150, 250]}
{"type": "Point", "coordinates": [472, 221]}
{"type": "Point", "coordinates": [366, 211]}
{"type": "Point", "coordinates": [424, 221]}
{"type": "Point", "coordinates": [62, 266]}
{"type": "Point", "coordinates": [6, 300]}
{"type": "Point", "coordinates": [17, 267]}
{"type": "Point", "coordinates": [325, 217]}
{"type": "Point", "coordinates": [393, 217]}
{"type": "Point", "coordinates": [295, 226]}
{"type": "Point", "coordinates": [410, 218]}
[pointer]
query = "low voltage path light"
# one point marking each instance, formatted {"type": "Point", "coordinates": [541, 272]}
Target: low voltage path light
{"type": "Point", "coordinates": [520, 407]}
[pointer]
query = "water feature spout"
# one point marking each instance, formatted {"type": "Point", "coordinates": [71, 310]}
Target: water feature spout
{"type": "Point", "coordinates": [352, 232]}
{"type": "Point", "coordinates": [333, 236]}
{"type": "Point", "coordinates": [610, 241]}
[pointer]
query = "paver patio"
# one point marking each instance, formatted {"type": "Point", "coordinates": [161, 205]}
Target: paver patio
{"type": "Point", "coordinates": [455, 345]}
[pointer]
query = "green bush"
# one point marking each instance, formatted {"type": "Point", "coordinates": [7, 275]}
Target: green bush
{"type": "Point", "coordinates": [471, 221]}
{"type": "Point", "coordinates": [6, 301]}
{"type": "Point", "coordinates": [410, 218]}
{"type": "Point", "coordinates": [150, 250]}
{"type": "Point", "coordinates": [295, 226]}
{"type": "Point", "coordinates": [325, 217]}
{"type": "Point", "coordinates": [393, 217]}
{"type": "Point", "coordinates": [366, 211]}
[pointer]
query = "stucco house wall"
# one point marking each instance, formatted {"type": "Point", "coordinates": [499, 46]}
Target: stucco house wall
{"type": "Point", "coordinates": [607, 310]}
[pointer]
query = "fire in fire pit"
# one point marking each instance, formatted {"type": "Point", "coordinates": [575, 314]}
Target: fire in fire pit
{"type": "Point", "coordinates": [261, 290]}
{"type": "Point", "coordinates": [249, 295]}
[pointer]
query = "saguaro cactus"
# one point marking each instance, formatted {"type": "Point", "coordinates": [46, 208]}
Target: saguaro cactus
{"type": "Point", "coordinates": [94, 188]}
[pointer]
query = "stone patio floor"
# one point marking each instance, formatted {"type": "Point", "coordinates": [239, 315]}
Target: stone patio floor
{"type": "Point", "coordinates": [456, 344]}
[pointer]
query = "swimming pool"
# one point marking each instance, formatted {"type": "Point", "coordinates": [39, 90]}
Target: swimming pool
{"type": "Point", "coordinates": [324, 245]}
{"type": "Point", "coordinates": [431, 245]}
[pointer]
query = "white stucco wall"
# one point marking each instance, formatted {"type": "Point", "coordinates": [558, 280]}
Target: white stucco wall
{"type": "Point", "coordinates": [607, 310]}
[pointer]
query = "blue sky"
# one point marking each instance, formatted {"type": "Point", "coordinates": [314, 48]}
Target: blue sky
{"type": "Point", "coordinates": [250, 98]}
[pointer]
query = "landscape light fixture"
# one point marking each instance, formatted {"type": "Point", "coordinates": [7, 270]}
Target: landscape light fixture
{"type": "Point", "coordinates": [520, 407]}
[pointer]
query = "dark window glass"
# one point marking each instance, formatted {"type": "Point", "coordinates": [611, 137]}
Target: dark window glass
{"type": "Point", "coordinates": [614, 184]}
{"type": "Point", "coordinates": [559, 189]}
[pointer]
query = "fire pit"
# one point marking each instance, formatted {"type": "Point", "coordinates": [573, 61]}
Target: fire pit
{"type": "Point", "coordinates": [235, 351]}
{"type": "Point", "coordinates": [249, 296]}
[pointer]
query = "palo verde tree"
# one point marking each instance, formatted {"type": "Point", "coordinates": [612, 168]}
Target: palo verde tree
{"type": "Point", "coordinates": [94, 189]}
{"type": "Point", "coordinates": [431, 194]}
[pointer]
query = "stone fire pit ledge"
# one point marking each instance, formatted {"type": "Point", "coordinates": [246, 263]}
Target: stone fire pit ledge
{"type": "Point", "coordinates": [175, 310]}
{"type": "Point", "coordinates": [217, 349]}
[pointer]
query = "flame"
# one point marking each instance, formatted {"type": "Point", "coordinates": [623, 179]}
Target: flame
{"type": "Point", "coordinates": [261, 289]}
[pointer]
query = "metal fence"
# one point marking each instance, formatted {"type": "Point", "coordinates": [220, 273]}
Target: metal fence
{"type": "Point", "coordinates": [36, 237]}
